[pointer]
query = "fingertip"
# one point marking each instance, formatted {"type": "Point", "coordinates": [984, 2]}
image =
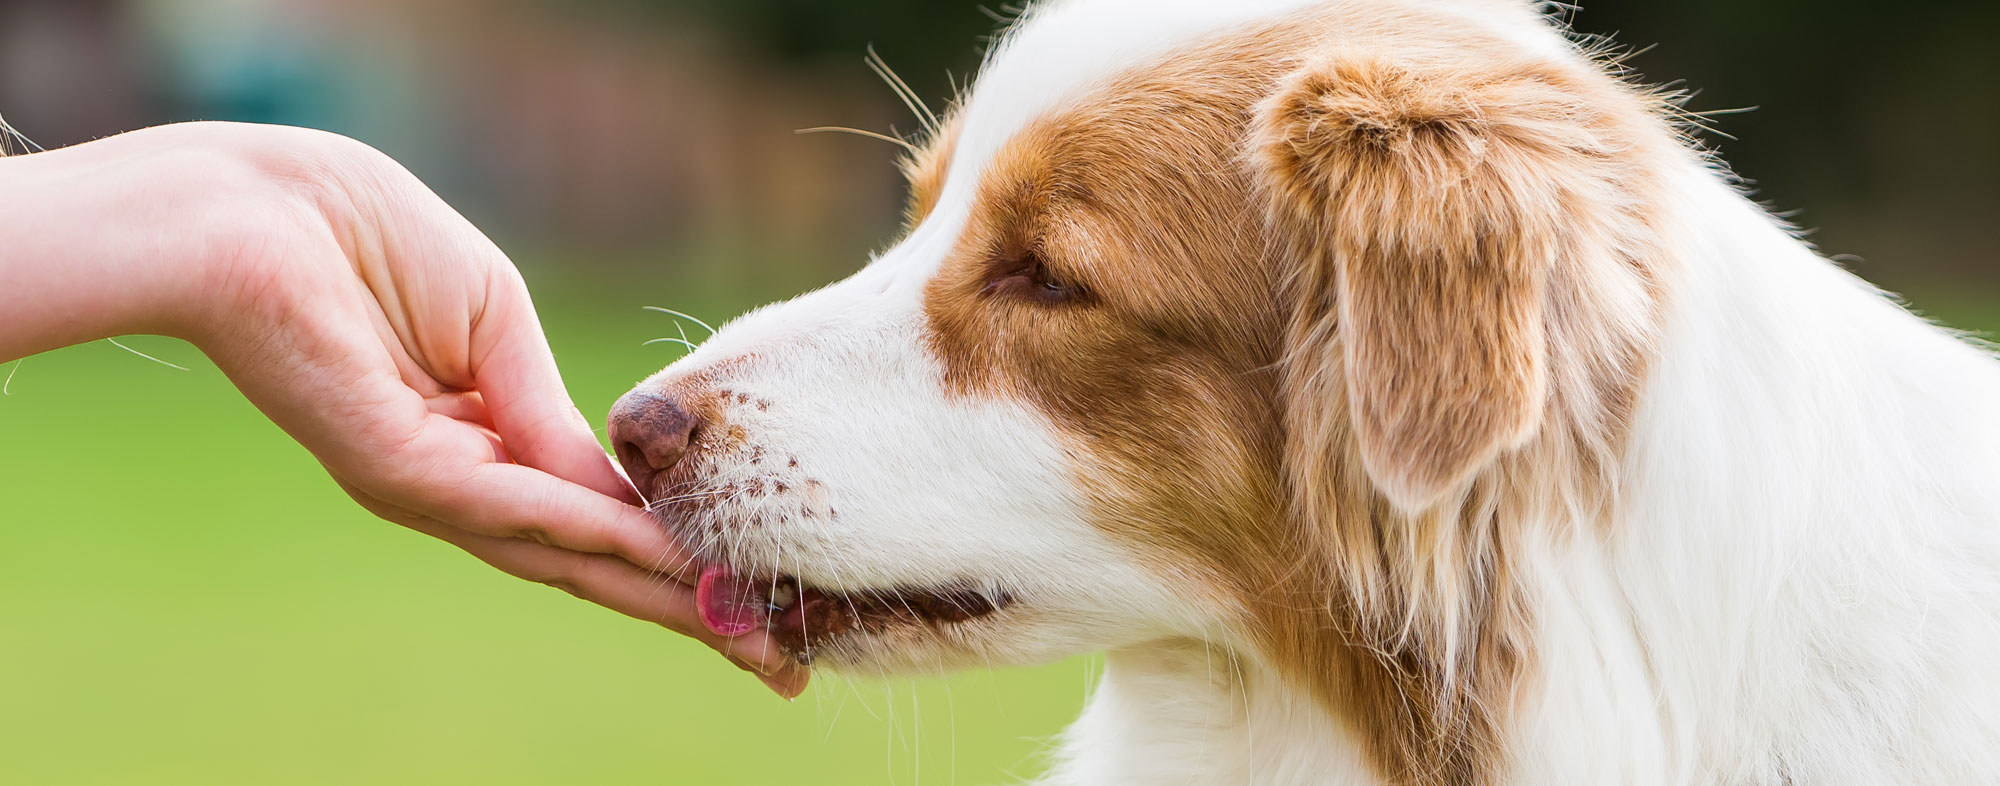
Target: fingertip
{"type": "Point", "coordinates": [651, 548]}
{"type": "Point", "coordinates": [789, 689]}
{"type": "Point", "coordinates": [622, 489]}
{"type": "Point", "coordinates": [757, 649]}
{"type": "Point", "coordinates": [789, 682]}
{"type": "Point", "coordinates": [795, 679]}
{"type": "Point", "coordinates": [595, 467]}
{"type": "Point", "coordinates": [506, 500]}
{"type": "Point", "coordinates": [531, 407]}
{"type": "Point", "coordinates": [573, 453]}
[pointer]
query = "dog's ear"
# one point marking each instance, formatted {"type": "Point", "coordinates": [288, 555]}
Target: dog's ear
{"type": "Point", "coordinates": [1424, 208]}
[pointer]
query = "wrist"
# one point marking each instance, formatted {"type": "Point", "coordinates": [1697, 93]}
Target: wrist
{"type": "Point", "coordinates": [276, 215]}
{"type": "Point", "coordinates": [137, 233]}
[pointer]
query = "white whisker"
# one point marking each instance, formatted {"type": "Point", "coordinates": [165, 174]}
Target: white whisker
{"type": "Point", "coordinates": [905, 144]}
{"type": "Point", "coordinates": [116, 343]}
{"type": "Point", "coordinates": [902, 90]}
{"type": "Point", "coordinates": [683, 315]}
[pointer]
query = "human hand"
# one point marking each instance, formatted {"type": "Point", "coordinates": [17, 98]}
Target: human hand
{"type": "Point", "coordinates": [382, 331]}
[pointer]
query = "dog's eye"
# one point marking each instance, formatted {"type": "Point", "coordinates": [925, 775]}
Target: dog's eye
{"type": "Point", "coordinates": [1028, 277]}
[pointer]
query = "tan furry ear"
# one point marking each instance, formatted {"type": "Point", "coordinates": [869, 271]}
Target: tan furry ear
{"type": "Point", "coordinates": [1425, 207]}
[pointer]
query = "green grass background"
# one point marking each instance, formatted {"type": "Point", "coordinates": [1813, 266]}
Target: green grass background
{"type": "Point", "coordinates": [186, 599]}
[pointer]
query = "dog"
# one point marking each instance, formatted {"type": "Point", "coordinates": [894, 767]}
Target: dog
{"type": "Point", "coordinates": [1397, 395]}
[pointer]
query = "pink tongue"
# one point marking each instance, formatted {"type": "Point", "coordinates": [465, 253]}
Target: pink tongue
{"type": "Point", "coordinates": [729, 605]}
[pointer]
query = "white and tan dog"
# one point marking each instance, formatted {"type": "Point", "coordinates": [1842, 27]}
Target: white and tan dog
{"type": "Point", "coordinates": [1396, 396]}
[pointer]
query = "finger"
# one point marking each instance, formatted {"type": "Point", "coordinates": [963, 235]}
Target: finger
{"type": "Point", "coordinates": [384, 510]}
{"type": "Point", "coordinates": [513, 501]}
{"type": "Point", "coordinates": [789, 683]}
{"type": "Point", "coordinates": [617, 585]}
{"type": "Point", "coordinates": [450, 442]}
{"type": "Point", "coordinates": [516, 373]}
{"type": "Point", "coordinates": [657, 603]}
{"type": "Point", "coordinates": [467, 406]}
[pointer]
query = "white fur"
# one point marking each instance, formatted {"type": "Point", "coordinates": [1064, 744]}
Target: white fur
{"type": "Point", "coordinates": [1804, 590]}
{"type": "Point", "coordinates": [901, 485]}
{"type": "Point", "coordinates": [1813, 560]}
{"type": "Point", "coordinates": [1807, 592]}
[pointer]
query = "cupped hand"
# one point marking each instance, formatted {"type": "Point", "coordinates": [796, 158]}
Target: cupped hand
{"type": "Point", "coordinates": [398, 344]}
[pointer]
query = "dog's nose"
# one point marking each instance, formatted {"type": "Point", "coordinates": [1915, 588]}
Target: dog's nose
{"type": "Point", "coordinates": [651, 433]}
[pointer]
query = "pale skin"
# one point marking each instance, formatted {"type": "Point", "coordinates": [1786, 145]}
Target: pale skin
{"type": "Point", "coordinates": [367, 319]}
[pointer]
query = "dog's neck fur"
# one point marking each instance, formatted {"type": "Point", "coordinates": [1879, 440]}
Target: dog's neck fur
{"type": "Point", "coordinates": [1798, 588]}
{"type": "Point", "coordinates": [1192, 712]}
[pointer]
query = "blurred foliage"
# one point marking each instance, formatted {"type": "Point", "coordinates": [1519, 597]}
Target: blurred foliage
{"type": "Point", "coordinates": [921, 39]}
{"type": "Point", "coordinates": [1880, 122]}
{"type": "Point", "coordinates": [1875, 121]}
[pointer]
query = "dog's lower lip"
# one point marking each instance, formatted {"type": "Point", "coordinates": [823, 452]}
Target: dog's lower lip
{"type": "Point", "coordinates": [803, 619]}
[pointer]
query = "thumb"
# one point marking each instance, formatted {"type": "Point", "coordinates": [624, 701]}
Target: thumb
{"type": "Point", "coordinates": [515, 371]}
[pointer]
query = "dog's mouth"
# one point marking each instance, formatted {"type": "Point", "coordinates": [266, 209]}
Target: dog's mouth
{"type": "Point", "coordinates": [804, 620]}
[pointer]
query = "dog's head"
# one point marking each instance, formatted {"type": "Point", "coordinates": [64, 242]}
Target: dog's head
{"type": "Point", "coordinates": [1218, 320]}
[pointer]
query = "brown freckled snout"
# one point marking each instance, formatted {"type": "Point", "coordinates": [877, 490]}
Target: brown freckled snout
{"type": "Point", "coordinates": [651, 433]}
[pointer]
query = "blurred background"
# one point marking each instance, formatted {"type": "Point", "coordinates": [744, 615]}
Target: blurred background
{"type": "Point", "coordinates": [188, 600]}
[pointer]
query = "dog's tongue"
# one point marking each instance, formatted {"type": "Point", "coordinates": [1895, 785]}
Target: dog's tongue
{"type": "Point", "coordinates": [729, 604]}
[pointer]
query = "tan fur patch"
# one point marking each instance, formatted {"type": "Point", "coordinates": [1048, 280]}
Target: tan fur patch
{"type": "Point", "coordinates": [925, 171]}
{"type": "Point", "coordinates": [1320, 268]}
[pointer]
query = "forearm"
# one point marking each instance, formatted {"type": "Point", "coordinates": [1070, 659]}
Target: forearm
{"type": "Point", "coordinates": [122, 235]}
